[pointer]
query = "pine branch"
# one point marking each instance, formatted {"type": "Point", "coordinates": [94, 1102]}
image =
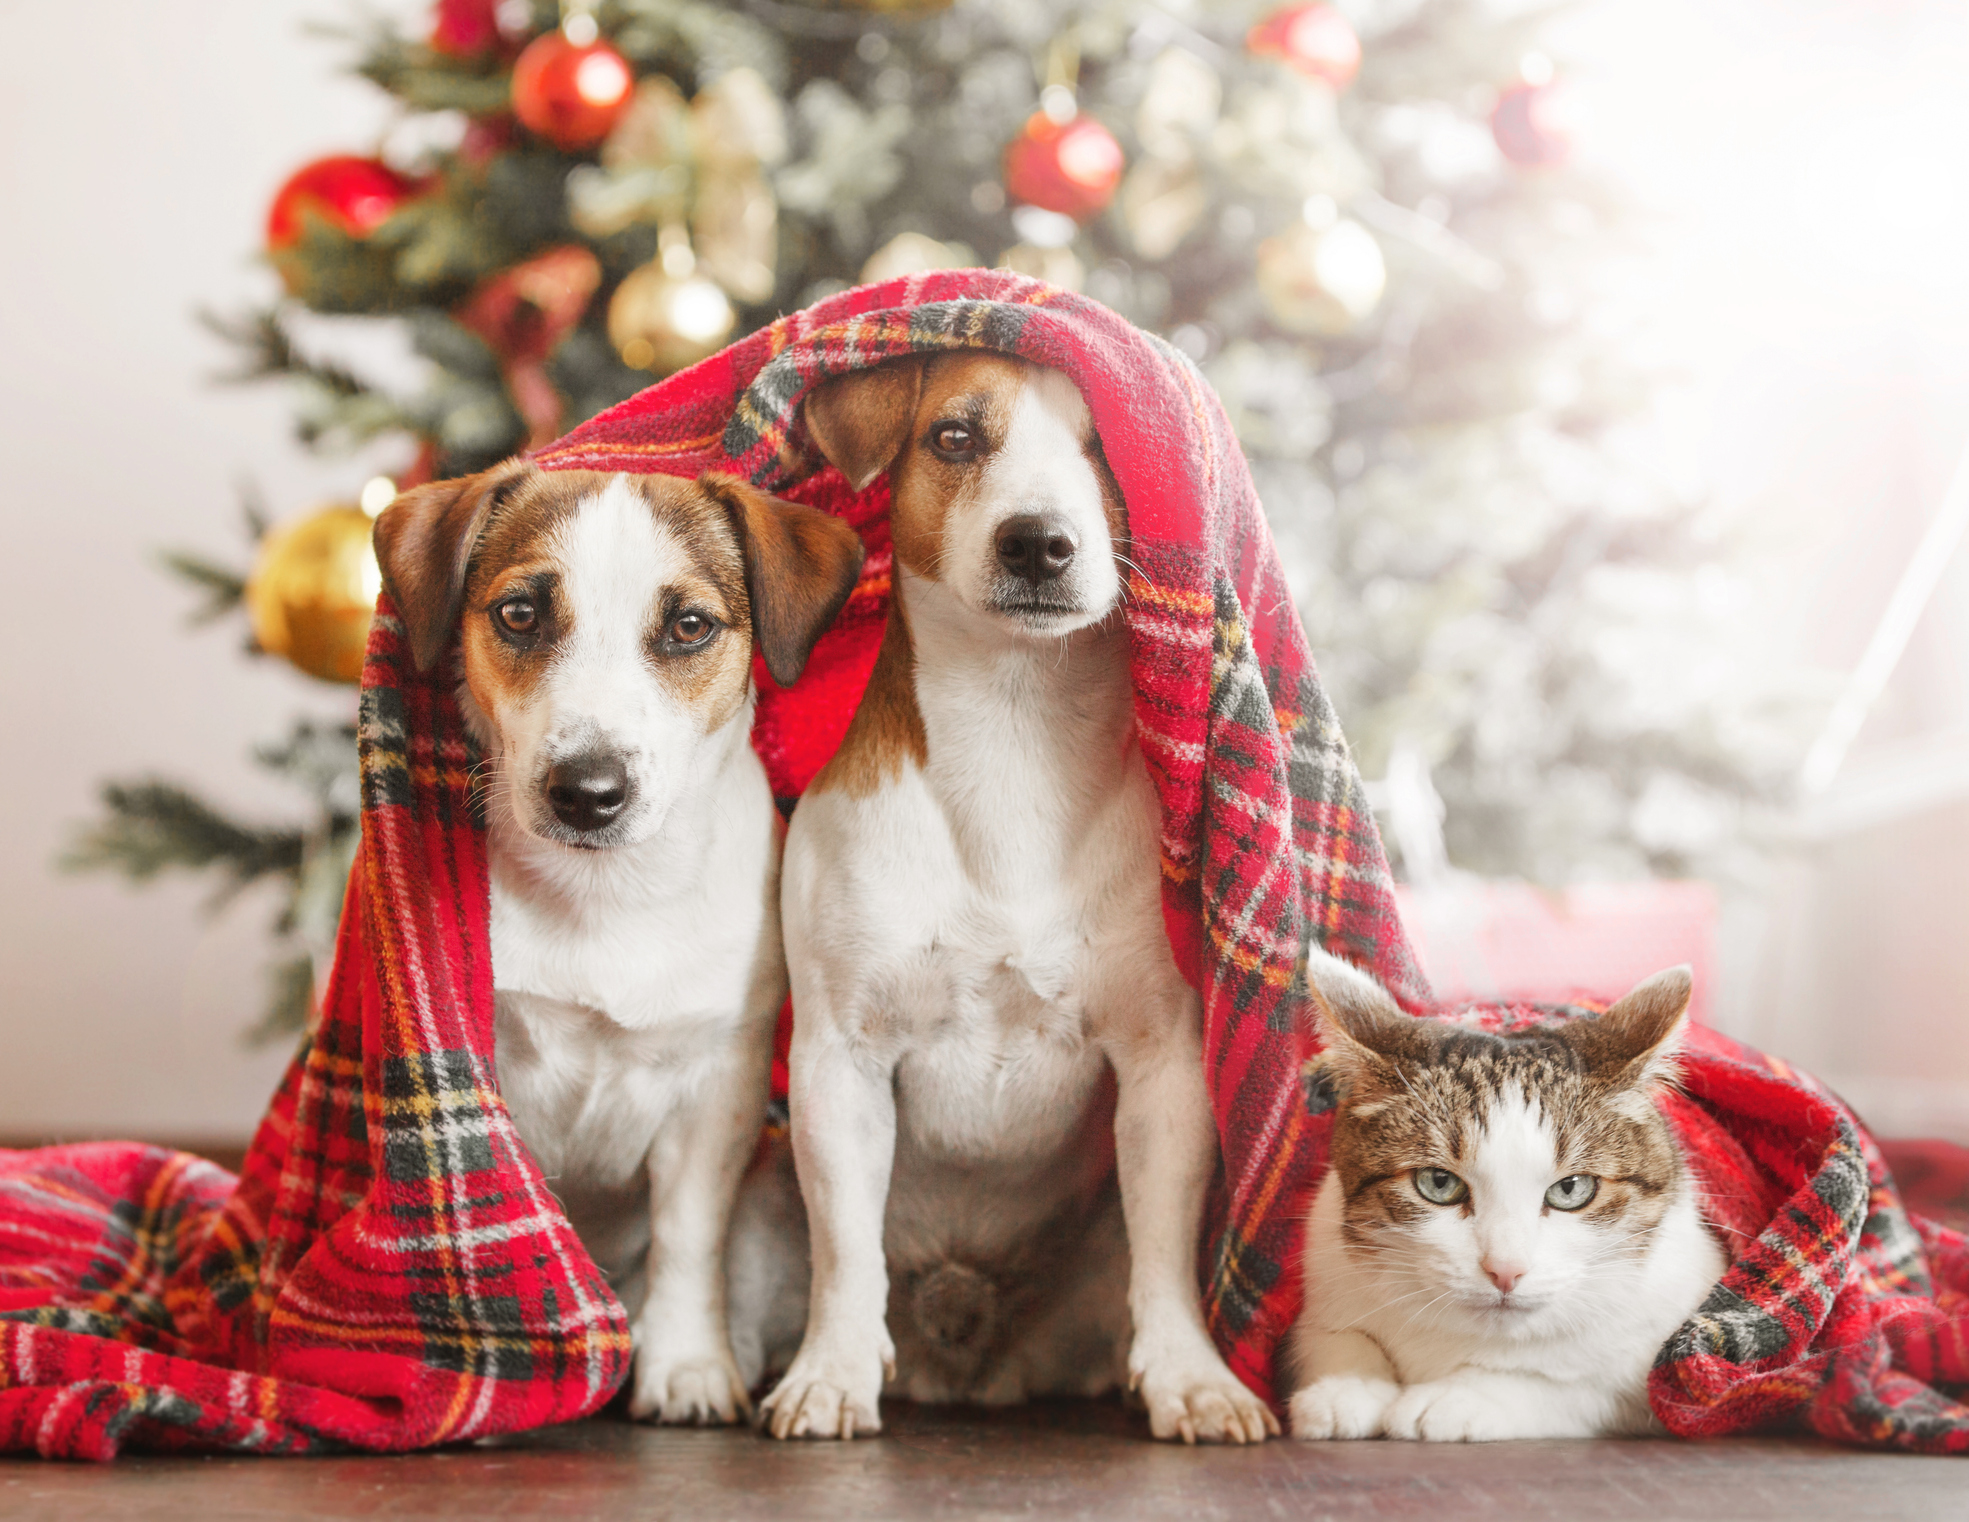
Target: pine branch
{"type": "Point", "coordinates": [224, 588]}
{"type": "Point", "coordinates": [290, 1002]}
{"type": "Point", "coordinates": [322, 759]}
{"type": "Point", "coordinates": [266, 351]}
{"type": "Point", "coordinates": [427, 80]}
{"type": "Point", "coordinates": [253, 510]}
{"type": "Point", "coordinates": [153, 826]}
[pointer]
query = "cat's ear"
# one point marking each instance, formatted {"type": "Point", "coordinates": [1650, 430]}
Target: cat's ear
{"type": "Point", "coordinates": [1637, 1038]}
{"type": "Point", "coordinates": [1358, 1023]}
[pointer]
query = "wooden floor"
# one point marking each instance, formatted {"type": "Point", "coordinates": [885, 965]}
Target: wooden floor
{"type": "Point", "coordinates": [1044, 1462]}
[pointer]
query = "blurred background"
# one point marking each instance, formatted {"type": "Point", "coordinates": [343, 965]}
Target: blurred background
{"type": "Point", "coordinates": [1604, 370]}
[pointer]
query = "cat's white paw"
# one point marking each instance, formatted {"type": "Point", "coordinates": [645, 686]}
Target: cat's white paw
{"type": "Point", "coordinates": [704, 1391]}
{"type": "Point", "coordinates": [1201, 1401]}
{"type": "Point", "coordinates": [1450, 1411]}
{"type": "Point", "coordinates": [827, 1396]}
{"type": "Point", "coordinates": [1341, 1406]}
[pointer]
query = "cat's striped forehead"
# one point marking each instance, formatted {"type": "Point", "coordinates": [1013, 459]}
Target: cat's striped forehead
{"type": "Point", "coordinates": [1432, 1103]}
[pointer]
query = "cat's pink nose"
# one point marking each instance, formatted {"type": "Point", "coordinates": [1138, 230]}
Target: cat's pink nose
{"type": "Point", "coordinates": [1504, 1275]}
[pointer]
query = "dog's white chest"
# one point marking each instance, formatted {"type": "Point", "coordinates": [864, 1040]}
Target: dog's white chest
{"type": "Point", "coordinates": [659, 968]}
{"type": "Point", "coordinates": [617, 994]}
{"type": "Point", "coordinates": [1001, 1057]}
{"type": "Point", "coordinates": [586, 1093]}
{"type": "Point", "coordinates": [993, 976]}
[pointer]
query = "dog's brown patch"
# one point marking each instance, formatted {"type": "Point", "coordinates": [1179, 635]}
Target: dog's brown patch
{"type": "Point", "coordinates": [881, 419]}
{"type": "Point", "coordinates": [860, 421]}
{"type": "Point", "coordinates": [714, 580]}
{"type": "Point", "coordinates": [800, 567]}
{"type": "Point", "coordinates": [925, 490]}
{"type": "Point", "coordinates": [454, 552]}
{"type": "Point", "coordinates": [424, 543]}
{"type": "Point", "coordinates": [887, 729]}
{"type": "Point", "coordinates": [1112, 506]}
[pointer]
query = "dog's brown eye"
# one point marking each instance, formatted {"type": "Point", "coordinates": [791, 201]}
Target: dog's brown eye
{"type": "Point", "coordinates": [953, 441]}
{"type": "Point", "coordinates": [690, 629]}
{"type": "Point", "coordinates": [518, 615]}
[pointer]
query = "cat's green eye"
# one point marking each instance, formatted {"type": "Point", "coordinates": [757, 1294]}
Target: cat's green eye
{"type": "Point", "coordinates": [1573, 1193]}
{"type": "Point", "coordinates": [1441, 1187]}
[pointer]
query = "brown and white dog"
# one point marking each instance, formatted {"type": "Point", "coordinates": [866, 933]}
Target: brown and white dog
{"type": "Point", "coordinates": [991, 1026]}
{"type": "Point", "coordinates": [608, 625]}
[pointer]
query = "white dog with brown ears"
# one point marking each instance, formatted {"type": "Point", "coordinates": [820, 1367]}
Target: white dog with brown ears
{"type": "Point", "coordinates": [990, 1025]}
{"type": "Point", "coordinates": [608, 625]}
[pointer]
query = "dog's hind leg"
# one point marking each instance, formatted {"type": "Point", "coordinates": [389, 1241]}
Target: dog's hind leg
{"type": "Point", "coordinates": [767, 1267]}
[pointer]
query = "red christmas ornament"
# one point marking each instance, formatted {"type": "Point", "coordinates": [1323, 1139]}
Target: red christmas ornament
{"type": "Point", "coordinates": [570, 94]}
{"type": "Point", "coordinates": [1070, 167]}
{"type": "Point", "coordinates": [1315, 39]}
{"type": "Point", "coordinates": [464, 28]}
{"type": "Point", "coordinates": [1533, 124]}
{"type": "Point", "coordinates": [355, 194]}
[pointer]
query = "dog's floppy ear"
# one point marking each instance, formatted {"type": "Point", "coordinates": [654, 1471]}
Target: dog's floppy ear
{"type": "Point", "coordinates": [424, 543]}
{"type": "Point", "coordinates": [861, 421]}
{"type": "Point", "coordinates": [800, 566]}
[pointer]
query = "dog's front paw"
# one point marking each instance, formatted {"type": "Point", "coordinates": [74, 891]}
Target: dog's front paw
{"type": "Point", "coordinates": [1201, 1401]}
{"type": "Point", "coordinates": [827, 1396]}
{"type": "Point", "coordinates": [1341, 1406]}
{"type": "Point", "coordinates": [1452, 1411]}
{"type": "Point", "coordinates": [704, 1391]}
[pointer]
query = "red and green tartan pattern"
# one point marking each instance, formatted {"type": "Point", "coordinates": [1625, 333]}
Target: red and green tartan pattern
{"type": "Point", "coordinates": [1842, 1312]}
{"type": "Point", "coordinates": [391, 1272]}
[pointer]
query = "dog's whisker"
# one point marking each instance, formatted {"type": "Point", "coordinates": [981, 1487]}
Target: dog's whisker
{"type": "Point", "coordinates": [1136, 569]}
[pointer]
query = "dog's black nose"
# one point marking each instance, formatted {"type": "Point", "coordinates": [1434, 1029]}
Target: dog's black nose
{"type": "Point", "coordinates": [1035, 549]}
{"type": "Point", "coordinates": [587, 791]}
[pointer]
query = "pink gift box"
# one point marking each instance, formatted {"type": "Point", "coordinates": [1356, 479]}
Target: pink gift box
{"type": "Point", "coordinates": [1484, 940]}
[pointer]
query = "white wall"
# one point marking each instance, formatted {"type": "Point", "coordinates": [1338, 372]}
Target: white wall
{"type": "Point", "coordinates": [1861, 971]}
{"type": "Point", "coordinates": [139, 144]}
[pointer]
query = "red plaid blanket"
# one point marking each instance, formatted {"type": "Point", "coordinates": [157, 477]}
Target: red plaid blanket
{"type": "Point", "coordinates": [1843, 1311]}
{"type": "Point", "coordinates": [390, 1271]}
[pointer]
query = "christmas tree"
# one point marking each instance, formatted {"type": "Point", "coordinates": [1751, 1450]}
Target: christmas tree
{"type": "Point", "coordinates": [1360, 220]}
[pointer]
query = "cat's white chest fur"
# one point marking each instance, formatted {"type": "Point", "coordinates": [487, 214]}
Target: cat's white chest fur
{"type": "Point", "coordinates": [1408, 1337]}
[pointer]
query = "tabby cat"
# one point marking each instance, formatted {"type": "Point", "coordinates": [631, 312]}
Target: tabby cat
{"type": "Point", "coordinates": [1507, 1234]}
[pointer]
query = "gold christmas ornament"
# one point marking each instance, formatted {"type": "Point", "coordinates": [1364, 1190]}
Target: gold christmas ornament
{"type": "Point", "coordinates": [656, 129]}
{"type": "Point", "coordinates": [1321, 281]}
{"type": "Point", "coordinates": [737, 130]}
{"type": "Point", "coordinates": [313, 588]}
{"type": "Point", "coordinates": [913, 254]}
{"type": "Point", "coordinates": [668, 161]}
{"type": "Point", "coordinates": [665, 315]}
